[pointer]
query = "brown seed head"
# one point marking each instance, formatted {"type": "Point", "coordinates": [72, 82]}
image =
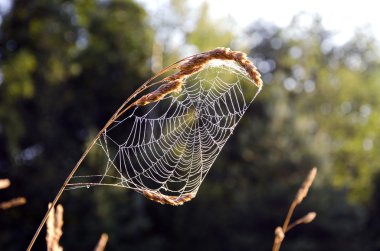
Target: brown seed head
{"type": "Point", "coordinates": [160, 92]}
{"type": "Point", "coordinates": [198, 61]}
{"type": "Point", "coordinates": [302, 192]}
{"type": "Point", "coordinates": [195, 64]}
{"type": "Point", "coordinates": [4, 183]}
{"type": "Point", "coordinates": [278, 235]}
{"type": "Point", "coordinates": [54, 225]}
{"type": "Point", "coordinates": [12, 203]}
{"type": "Point", "coordinates": [171, 200]}
{"type": "Point", "coordinates": [308, 218]}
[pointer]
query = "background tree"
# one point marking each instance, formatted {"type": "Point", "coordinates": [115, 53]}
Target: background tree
{"type": "Point", "coordinates": [67, 65]}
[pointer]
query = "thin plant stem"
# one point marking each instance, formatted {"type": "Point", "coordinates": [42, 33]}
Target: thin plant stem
{"type": "Point", "coordinates": [66, 182]}
{"type": "Point", "coordinates": [301, 194]}
{"type": "Point", "coordinates": [194, 62]}
{"type": "Point", "coordinates": [289, 216]}
{"type": "Point", "coordinates": [122, 109]}
{"type": "Point", "coordinates": [102, 242]}
{"type": "Point", "coordinates": [12, 203]}
{"type": "Point", "coordinates": [304, 220]}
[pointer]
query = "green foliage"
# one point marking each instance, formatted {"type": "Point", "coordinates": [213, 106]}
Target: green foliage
{"type": "Point", "coordinates": [207, 32]}
{"type": "Point", "coordinates": [67, 65]}
{"type": "Point", "coordinates": [333, 94]}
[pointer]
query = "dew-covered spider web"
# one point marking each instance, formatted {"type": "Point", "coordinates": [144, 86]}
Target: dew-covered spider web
{"type": "Point", "coordinates": [166, 148]}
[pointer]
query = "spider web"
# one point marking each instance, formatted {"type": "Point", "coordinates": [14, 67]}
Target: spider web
{"type": "Point", "coordinates": [168, 147]}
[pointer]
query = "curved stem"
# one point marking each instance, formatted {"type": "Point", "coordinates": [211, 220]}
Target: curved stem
{"type": "Point", "coordinates": [288, 216]}
{"type": "Point", "coordinates": [72, 173]}
{"type": "Point", "coordinates": [117, 114]}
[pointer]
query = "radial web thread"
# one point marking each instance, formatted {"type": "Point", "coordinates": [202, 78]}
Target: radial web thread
{"type": "Point", "coordinates": [166, 148]}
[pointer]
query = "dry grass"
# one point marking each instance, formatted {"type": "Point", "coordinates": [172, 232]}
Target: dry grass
{"type": "Point", "coordinates": [12, 203]}
{"type": "Point", "coordinates": [194, 64]}
{"type": "Point", "coordinates": [54, 231]}
{"type": "Point", "coordinates": [102, 242]}
{"type": "Point", "coordinates": [5, 183]}
{"type": "Point", "coordinates": [279, 233]}
{"type": "Point", "coordinates": [54, 224]}
{"type": "Point", "coordinates": [173, 82]}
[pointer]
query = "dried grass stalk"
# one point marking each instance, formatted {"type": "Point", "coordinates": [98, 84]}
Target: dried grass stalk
{"type": "Point", "coordinates": [171, 200]}
{"type": "Point", "coordinates": [304, 220]}
{"type": "Point", "coordinates": [197, 62]}
{"type": "Point", "coordinates": [102, 242]}
{"type": "Point", "coordinates": [278, 235]}
{"type": "Point", "coordinates": [54, 225]}
{"type": "Point", "coordinates": [301, 194]}
{"type": "Point", "coordinates": [4, 183]}
{"type": "Point", "coordinates": [162, 91]}
{"type": "Point", "coordinates": [13, 203]}
{"type": "Point", "coordinates": [171, 84]}
{"type": "Point", "coordinates": [194, 64]}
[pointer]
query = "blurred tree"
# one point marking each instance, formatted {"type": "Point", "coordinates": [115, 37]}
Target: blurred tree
{"type": "Point", "coordinates": [182, 29]}
{"type": "Point", "coordinates": [208, 34]}
{"type": "Point", "coordinates": [309, 84]}
{"type": "Point", "coordinates": [66, 67]}
{"type": "Point", "coordinates": [170, 22]}
{"type": "Point", "coordinates": [322, 80]}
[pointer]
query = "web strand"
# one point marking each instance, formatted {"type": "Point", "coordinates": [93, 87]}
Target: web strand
{"type": "Point", "coordinates": [167, 147]}
{"type": "Point", "coordinates": [199, 120]}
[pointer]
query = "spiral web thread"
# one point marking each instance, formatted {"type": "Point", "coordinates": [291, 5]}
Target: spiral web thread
{"type": "Point", "coordinates": [164, 148]}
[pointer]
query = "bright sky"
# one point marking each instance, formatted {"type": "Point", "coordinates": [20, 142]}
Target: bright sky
{"type": "Point", "coordinates": [342, 17]}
